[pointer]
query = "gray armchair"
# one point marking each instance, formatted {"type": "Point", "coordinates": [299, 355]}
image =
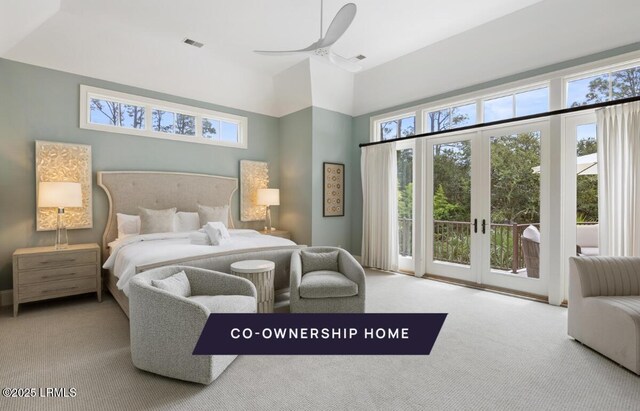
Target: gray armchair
{"type": "Point", "coordinates": [165, 327]}
{"type": "Point", "coordinates": [327, 291]}
{"type": "Point", "coordinates": [604, 307]}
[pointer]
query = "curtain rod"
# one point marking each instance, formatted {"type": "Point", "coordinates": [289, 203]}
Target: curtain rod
{"type": "Point", "coordinates": [509, 120]}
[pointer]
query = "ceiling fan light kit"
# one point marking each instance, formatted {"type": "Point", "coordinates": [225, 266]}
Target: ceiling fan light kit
{"type": "Point", "coordinates": [322, 47]}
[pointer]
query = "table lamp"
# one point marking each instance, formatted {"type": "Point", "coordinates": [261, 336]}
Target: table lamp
{"type": "Point", "coordinates": [268, 197]}
{"type": "Point", "coordinates": [60, 195]}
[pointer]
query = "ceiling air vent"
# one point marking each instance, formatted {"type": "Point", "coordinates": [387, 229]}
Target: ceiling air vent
{"type": "Point", "coordinates": [192, 43]}
{"type": "Point", "coordinates": [361, 57]}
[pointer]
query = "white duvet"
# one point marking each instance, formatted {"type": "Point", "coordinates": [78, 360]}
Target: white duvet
{"type": "Point", "coordinates": [133, 251]}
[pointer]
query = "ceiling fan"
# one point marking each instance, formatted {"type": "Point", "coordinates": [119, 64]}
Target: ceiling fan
{"type": "Point", "coordinates": [322, 47]}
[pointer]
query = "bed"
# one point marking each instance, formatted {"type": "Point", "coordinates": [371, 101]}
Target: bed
{"type": "Point", "coordinates": [128, 190]}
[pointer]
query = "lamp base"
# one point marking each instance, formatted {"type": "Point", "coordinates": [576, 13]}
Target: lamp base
{"type": "Point", "coordinates": [62, 240]}
{"type": "Point", "coordinates": [267, 218]}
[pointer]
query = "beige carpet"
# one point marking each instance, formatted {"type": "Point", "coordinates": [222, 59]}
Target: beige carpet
{"type": "Point", "coordinates": [494, 352]}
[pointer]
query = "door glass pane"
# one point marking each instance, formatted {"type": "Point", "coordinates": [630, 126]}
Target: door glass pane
{"type": "Point", "coordinates": [587, 190]}
{"type": "Point", "coordinates": [452, 202]}
{"type": "Point", "coordinates": [405, 202]}
{"type": "Point", "coordinates": [498, 108]}
{"type": "Point", "coordinates": [532, 102]}
{"type": "Point", "coordinates": [515, 204]}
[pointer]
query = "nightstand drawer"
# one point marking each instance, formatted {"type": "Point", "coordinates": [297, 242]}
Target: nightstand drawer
{"type": "Point", "coordinates": [56, 274]}
{"type": "Point", "coordinates": [53, 289]}
{"type": "Point", "coordinates": [52, 260]}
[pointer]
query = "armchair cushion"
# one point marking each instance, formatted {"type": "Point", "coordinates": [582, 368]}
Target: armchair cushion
{"type": "Point", "coordinates": [326, 284]}
{"type": "Point", "coordinates": [177, 284]}
{"type": "Point", "coordinates": [319, 261]}
{"type": "Point", "coordinates": [226, 303]}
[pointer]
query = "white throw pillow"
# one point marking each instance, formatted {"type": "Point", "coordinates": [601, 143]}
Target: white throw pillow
{"type": "Point", "coordinates": [209, 214]}
{"type": "Point", "coordinates": [217, 232]}
{"type": "Point", "coordinates": [128, 225]}
{"type": "Point", "coordinates": [531, 233]}
{"type": "Point", "coordinates": [177, 284]}
{"type": "Point", "coordinates": [186, 221]}
{"type": "Point", "coordinates": [156, 221]}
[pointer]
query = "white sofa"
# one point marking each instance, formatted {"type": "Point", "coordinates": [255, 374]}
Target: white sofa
{"type": "Point", "coordinates": [604, 307]}
{"type": "Point", "coordinates": [587, 239]}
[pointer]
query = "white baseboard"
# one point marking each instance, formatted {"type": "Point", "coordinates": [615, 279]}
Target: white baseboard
{"type": "Point", "coordinates": [6, 298]}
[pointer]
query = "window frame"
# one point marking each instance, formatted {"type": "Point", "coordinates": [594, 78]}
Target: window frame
{"type": "Point", "coordinates": [87, 93]}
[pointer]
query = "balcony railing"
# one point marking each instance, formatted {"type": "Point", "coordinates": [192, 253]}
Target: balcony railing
{"type": "Point", "coordinates": [452, 242]}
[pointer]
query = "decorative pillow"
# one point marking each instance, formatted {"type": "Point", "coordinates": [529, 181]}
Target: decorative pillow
{"type": "Point", "coordinates": [186, 221]}
{"type": "Point", "coordinates": [128, 225]}
{"type": "Point", "coordinates": [319, 261]}
{"type": "Point", "coordinates": [177, 284]}
{"type": "Point", "coordinates": [208, 214]}
{"type": "Point", "coordinates": [532, 233]}
{"type": "Point", "coordinates": [217, 232]}
{"type": "Point", "coordinates": [156, 221]}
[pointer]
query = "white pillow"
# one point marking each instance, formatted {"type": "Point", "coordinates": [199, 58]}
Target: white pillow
{"type": "Point", "coordinates": [208, 214]}
{"type": "Point", "coordinates": [531, 233]}
{"type": "Point", "coordinates": [186, 221]}
{"type": "Point", "coordinates": [217, 232]}
{"type": "Point", "coordinates": [128, 225]}
{"type": "Point", "coordinates": [177, 284]}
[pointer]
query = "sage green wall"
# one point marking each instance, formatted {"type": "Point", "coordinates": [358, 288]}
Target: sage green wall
{"type": "Point", "coordinates": [331, 143]}
{"type": "Point", "coordinates": [361, 124]}
{"type": "Point", "coordinates": [43, 104]}
{"type": "Point", "coordinates": [296, 175]}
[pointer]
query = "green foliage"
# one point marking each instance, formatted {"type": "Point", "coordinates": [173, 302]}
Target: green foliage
{"type": "Point", "coordinates": [442, 208]}
{"type": "Point", "coordinates": [515, 188]}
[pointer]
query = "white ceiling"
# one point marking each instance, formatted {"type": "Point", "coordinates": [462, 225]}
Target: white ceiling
{"type": "Point", "coordinates": [138, 42]}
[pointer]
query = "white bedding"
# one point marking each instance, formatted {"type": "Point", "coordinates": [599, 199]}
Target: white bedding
{"type": "Point", "coordinates": [130, 252]}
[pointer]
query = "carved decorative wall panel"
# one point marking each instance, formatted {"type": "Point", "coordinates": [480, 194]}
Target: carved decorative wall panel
{"type": "Point", "coordinates": [64, 162]}
{"type": "Point", "coordinates": [253, 175]}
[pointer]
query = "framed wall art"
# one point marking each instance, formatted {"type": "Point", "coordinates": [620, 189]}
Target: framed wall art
{"type": "Point", "coordinates": [333, 190]}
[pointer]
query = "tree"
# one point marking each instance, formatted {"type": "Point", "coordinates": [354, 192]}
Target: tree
{"type": "Point", "coordinates": [442, 208]}
{"type": "Point", "coordinates": [587, 185]}
{"type": "Point", "coordinates": [110, 109]}
{"type": "Point", "coordinates": [624, 83]}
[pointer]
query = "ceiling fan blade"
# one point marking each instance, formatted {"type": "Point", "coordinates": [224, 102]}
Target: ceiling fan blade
{"type": "Point", "coordinates": [339, 25]}
{"type": "Point", "coordinates": [344, 63]}
{"type": "Point", "coordinates": [312, 47]}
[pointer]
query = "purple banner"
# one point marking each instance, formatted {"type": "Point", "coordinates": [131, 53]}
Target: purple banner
{"type": "Point", "coordinates": [299, 334]}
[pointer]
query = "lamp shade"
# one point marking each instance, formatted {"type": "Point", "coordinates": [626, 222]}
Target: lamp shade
{"type": "Point", "coordinates": [268, 196]}
{"type": "Point", "coordinates": [59, 194]}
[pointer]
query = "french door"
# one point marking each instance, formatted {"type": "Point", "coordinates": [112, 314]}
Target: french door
{"type": "Point", "coordinates": [484, 189]}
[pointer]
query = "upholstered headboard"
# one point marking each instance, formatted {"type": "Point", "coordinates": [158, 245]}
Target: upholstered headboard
{"type": "Point", "coordinates": [128, 190]}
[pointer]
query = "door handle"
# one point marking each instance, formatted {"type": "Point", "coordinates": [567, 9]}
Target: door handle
{"type": "Point", "coordinates": [484, 226]}
{"type": "Point", "coordinates": [475, 225]}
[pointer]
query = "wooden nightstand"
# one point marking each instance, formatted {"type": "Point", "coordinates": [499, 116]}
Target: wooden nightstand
{"type": "Point", "coordinates": [277, 233]}
{"type": "Point", "coordinates": [40, 273]}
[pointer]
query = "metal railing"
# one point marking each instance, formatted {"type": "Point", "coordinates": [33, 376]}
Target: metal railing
{"type": "Point", "coordinates": [452, 242]}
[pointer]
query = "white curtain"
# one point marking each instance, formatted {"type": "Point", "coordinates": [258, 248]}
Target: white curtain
{"type": "Point", "coordinates": [380, 207]}
{"type": "Point", "coordinates": [618, 179]}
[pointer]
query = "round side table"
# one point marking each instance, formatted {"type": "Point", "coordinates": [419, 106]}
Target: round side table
{"type": "Point", "coordinates": [260, 273]}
